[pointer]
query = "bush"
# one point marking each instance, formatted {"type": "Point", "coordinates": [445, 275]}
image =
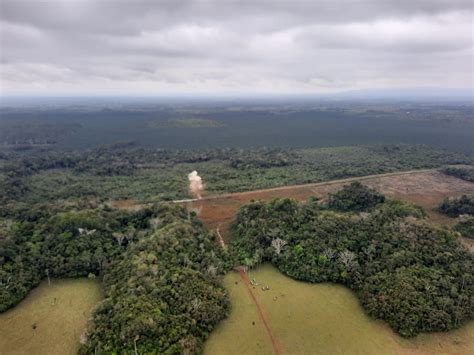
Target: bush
{"type": "Point", "coordinates": [355, 197]}
{"type": "Point", "coordinates": [466, 227]}
{"type": "Point", "coordinates": [465, 173]}
{"type": "Point", "coordinates": [455, 207]}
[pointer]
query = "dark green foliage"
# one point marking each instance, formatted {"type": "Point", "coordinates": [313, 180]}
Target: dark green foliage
{"type": "Point", "coordinates": [46, 242]}
{"type": "Point", "coordinates": [415, 277]}
{"type": "Point", "coordinates": [465, 173]}
{"type": "Point", "coordinates": [126, 171]}
{"type": "Point", "coordinates": [465, 226]}
{"type": "Point", "coordinates": [160, 272]}
{"type": "Point", "coordinates": [163, 296]}
{"type": "Point", "coordinates": [35, 133]}
{"type": "Point", "coordinates": [355, 197]}
{"type": "Point", "coordinates": [398, 208]}
{"type": "Point", "coordinates": [455, 207]}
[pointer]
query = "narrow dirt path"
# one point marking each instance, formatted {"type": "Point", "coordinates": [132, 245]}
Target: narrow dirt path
{"type": "Point", "coordinates": [266, 323]}
{"type": "Point", "coordinates": [221, 240]}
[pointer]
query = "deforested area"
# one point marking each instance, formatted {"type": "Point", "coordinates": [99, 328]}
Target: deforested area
{"type": "Point", "coordinates": [236, 177]}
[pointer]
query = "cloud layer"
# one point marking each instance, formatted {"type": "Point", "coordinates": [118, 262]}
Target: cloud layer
{"type": "Point", "coordinates": [172, 47]}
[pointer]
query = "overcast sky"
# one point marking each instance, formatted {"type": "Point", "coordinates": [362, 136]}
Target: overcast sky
{"type": "Point", "coordinates": [171, 47]}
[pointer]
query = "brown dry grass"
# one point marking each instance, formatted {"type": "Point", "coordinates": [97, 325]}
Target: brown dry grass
{"type": "Point", "coordinates": [50, 320]}
{"type": "Point", "coordinates": [425, 188]}
{"type": "Point", "coordinates": [130, 205]}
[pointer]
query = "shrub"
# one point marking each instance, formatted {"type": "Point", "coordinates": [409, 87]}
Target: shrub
{"type": "Point", "coordinates": [355, 197]}
{"type": "Point", "coordinates": [466, 227]}
{"type": "Point", "coordinates": [455, 207]}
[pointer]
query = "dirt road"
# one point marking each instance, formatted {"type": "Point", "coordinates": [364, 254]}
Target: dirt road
{"type": "Point", "coordinates": [423, 187]}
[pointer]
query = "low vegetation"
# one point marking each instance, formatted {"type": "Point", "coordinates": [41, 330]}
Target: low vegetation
{"type": "Point", "coordinates": [304, 317]}
{"type": "Point", "coordinates": [124, 171]}
{"type": "Point", "coordinates": [355, 197]}
{"type": "Point", "coordinates": [51, 318]}
{"type": "Point", "coordinates": [465, 173]}
{"type": "Point", "coordinates": [465, 226]}
{"type": "Point", "coordinates": [415, 277]}
{"type": "Point", "coordinates": [455, 207]}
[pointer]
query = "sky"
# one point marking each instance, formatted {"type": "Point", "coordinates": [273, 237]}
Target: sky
{"type": "Point", "coordinates": [106, 47]}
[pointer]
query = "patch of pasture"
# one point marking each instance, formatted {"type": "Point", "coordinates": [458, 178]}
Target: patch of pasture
{"type": "Point", "coordinates": [50, 320]}
{"type": "Point", "coordinates": [315, 319]}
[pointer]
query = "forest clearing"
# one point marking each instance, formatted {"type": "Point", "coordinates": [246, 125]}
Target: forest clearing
{"type": "Point", "coordinates": [425, 188]}
{"type": "Point", "coordinates": [315, 319]}
{"type": "Point", "coordinates": [51, 319]}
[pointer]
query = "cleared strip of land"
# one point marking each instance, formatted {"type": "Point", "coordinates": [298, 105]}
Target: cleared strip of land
{"type": "Point", "coordinates": [423, 187]}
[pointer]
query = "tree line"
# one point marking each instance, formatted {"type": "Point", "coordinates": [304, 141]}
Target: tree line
{"type": "Point", "coordinates": [416, 277]}
{"type": "Point", "coordinates": [152, 175]}
{"type": "Point", "coordinates": [160, 272]}
{"type": "Point", "coordinates": [462, 208]}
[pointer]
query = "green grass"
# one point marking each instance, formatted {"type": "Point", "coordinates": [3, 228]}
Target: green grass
{"type": "Point", "coordinates": [59, 312]}
{"type": "Point", "coordinates": [315, 319]}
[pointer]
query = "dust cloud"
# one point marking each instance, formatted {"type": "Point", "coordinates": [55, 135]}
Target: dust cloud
{"type": "Point", "coordinates": [196, 187]}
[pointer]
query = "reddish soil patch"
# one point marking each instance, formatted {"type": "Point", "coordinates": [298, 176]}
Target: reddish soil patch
{"type": "Point", "coordinates": [424, 187]}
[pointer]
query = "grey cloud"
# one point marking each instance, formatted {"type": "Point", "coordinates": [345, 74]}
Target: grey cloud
{"type": "Point", "coordinates": [159, 46]}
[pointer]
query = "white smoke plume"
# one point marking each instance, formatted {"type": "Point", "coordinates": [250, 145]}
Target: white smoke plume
{"type": "Point", "coordinates": [195, 184]}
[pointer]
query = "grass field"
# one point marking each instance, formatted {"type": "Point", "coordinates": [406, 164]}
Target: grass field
{"type": "Point", "coordinates": [315, 319]}
{"type": "Point", "coordinates": [58, 313]}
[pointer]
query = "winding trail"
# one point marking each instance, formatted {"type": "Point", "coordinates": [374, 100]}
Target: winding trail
{"type": "Point", "coordinates": [266, 323]}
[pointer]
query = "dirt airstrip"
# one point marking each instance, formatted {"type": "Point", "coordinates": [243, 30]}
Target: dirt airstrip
{"type": "Point", "coordinates": [425, 188]}
{"type": "Point", "coordinates": [422, 187]}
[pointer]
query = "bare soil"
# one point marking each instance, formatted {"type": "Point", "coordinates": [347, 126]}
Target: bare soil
{"type": "Point", "coordinates": [425, 188]}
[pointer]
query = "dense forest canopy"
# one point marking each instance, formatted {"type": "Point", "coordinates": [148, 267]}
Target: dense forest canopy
{"type": "Point", "coordinates": [239, 124]}
{"type": "Point", "coordinates": [124, 170]}
{"type": "Point", "coordinates": [164, 295]}
{"type": "Point", "coordinates": [414, 276]}
{"type": "Point", "coordinates": [160, 270]}
{"type": "Point", "coordinates": [124, 122]}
